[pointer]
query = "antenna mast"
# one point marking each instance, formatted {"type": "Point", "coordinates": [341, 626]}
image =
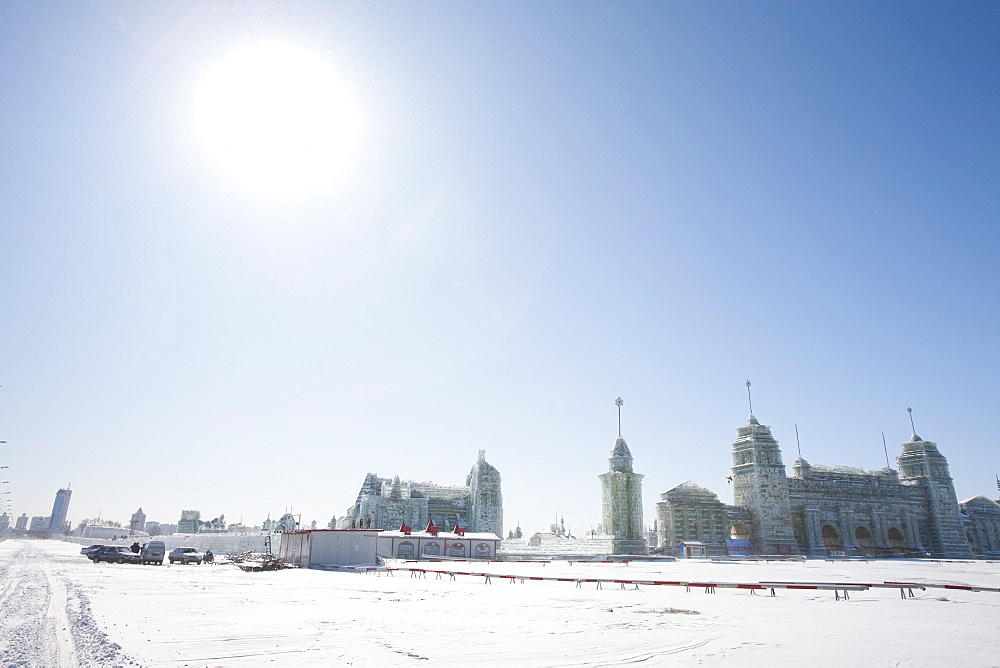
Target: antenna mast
{"type": "Point", "coordinates": [797, 445]}
{"type": "Point", "coordinates": [887, 464]}
{"type": "Point", "coordinates": [618, 403]}
{"type": "Point", "coordinates": [749, 400]}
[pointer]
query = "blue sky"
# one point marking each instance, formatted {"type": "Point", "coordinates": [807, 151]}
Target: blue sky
{"type": "Point", "coordinates": [547, 206]}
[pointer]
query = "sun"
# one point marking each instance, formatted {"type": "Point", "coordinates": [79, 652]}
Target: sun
{"type": "Point", "coordinates": [278, 117]}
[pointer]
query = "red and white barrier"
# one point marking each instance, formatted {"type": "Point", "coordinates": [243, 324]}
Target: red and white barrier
{"type": "Point", "coordinates": [840, 588]}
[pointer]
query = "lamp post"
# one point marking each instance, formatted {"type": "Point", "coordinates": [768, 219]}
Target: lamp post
{"type": "Point", "coordinates": [5, 507]}
{"type": "Point", "coordinates": [5, 482]}
{"type": "Point", "coordinates": [5, 498]}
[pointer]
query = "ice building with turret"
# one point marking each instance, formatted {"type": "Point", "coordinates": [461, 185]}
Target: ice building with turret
{"type": "Point", "coordinates": [621, 502]}
{"type": "Point", "coordinates": [388, 503]}
{"type": "Point", "coordinates": [824, 510]}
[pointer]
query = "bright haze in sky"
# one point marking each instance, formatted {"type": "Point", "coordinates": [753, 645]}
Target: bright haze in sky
{"type": "Point", "coordinates": [254, 251]}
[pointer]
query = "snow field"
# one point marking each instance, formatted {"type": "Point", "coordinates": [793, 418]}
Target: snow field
{"type": "Point", "coordinates": [219, 615]}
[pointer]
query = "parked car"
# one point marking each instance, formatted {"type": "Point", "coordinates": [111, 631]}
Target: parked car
{"type": "Point", "coordinates": [153, 552]}
{"type": "Point", "coordinates": [87, 551]}
{"type": "Point", "coordinates": [185, 555]}
{"type": "Point", "coordinates": [115, 554]}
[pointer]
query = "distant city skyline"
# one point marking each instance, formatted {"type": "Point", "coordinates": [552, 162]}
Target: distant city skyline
{"type": "Point", "coordinates": [250, 256]}
{"type": "Point", "coordinates": [61, 504]}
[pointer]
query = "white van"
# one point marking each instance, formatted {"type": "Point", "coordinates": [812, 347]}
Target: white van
{"type": "Point", "coordinates": [153, 552]}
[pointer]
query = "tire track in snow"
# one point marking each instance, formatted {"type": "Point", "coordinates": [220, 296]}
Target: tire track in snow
{"type": "Point", "coordinates": [60, 644]}
{"type": "Point", "coordinates": [45, 620]}
{"type": "Point", "coordinates": [25, 599]}
{"type": "Point", "coordinates": [7, 576]}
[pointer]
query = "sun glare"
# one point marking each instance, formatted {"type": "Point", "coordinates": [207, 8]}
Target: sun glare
{"type": "Point", "coordinates": [278, 117]}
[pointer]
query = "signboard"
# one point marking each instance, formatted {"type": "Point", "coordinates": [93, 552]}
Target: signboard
{"type": "Point", "coordinates": [738, 547]}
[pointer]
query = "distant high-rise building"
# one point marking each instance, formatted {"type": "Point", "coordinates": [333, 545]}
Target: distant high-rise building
{"type": "Point", "coordinates": [59, 509]}
{"type": "Point", "coordinates": [39, 523]}
{"type": "Point", "coordinates": [138, 521]}
{"type": "Point", "coordinates": [165, 529]}
{"type": "Point", "coordinates": [22, 522]}
{"type": "Point", "coordinates": [189, 522]}
{"type": "Point", "coordinates": [4, 522]}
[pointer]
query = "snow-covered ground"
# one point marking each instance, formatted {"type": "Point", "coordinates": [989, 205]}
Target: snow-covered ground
{"type": "Point", "coordinates": [57, 608]}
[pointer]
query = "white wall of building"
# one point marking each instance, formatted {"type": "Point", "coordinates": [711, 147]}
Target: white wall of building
{"type": "Point", "coordinates": [329, 547]}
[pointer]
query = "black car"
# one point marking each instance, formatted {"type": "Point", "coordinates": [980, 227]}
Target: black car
{"type": "Point", "coordinates": [88, 551]}
{"type": "Point", "coordinates": [115, 554]}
